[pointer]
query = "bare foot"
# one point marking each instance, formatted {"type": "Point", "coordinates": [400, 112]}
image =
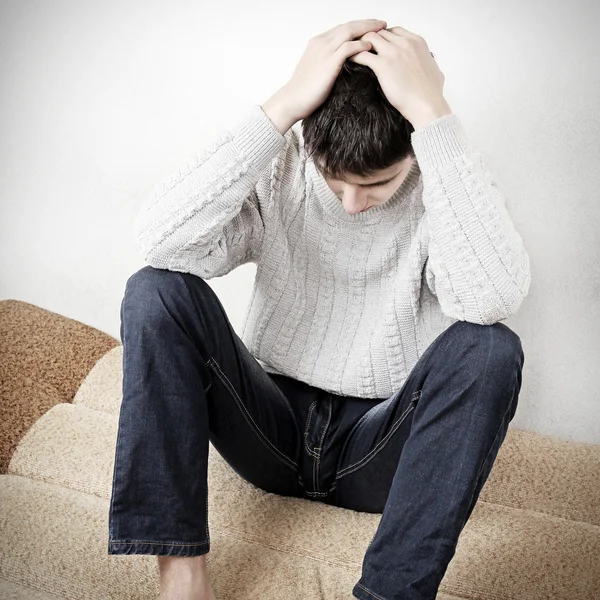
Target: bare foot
{"type": "Point", "coordinates": [184, 578]}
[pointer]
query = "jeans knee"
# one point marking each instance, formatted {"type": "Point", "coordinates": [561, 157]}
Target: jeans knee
{"type": "Point", "coordinates": [148, 277]}
{"type": "Point", "coordinates": [495, 356]}
{"type": "Point", "coordinates": [151, 293]}
{"type": "Point", "coordinates": [494, 346]}
{"type": "Point", "coordinates": [147, 293]}
{"type": "Point", "coordinates": [507, 344]}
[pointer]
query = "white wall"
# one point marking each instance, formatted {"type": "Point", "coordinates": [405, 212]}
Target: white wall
{"type": "Point", "coordinates": [99, 100]}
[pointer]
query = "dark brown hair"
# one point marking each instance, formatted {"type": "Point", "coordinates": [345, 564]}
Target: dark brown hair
{"type": "Point", "coordinates": [356, 130]}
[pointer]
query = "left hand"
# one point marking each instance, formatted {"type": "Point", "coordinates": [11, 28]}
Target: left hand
{"type": "Point", "coordinates": [407, 73]}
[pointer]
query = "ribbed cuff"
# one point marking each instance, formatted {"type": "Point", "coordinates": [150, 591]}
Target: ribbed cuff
{"type": "Point", "coordinates": [440, 142]}
{"type": "Point", "coordinates": [256, 137]}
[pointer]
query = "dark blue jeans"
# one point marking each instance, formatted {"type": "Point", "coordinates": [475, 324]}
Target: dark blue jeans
{"type": "Point", "coordinates": [420, 457]}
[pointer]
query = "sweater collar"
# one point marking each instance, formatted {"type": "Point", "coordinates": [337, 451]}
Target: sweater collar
{"type": "Point", "coordinates": [333, 205]}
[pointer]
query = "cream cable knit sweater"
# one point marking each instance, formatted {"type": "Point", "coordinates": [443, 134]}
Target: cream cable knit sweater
{"type": "Point", "coordinates": [346, 303]}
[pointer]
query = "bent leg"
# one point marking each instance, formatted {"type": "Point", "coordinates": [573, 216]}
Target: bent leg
{"type": "Point", "coordinates": [452, 416]}
{"type": "Point", "coordinates": [188, 378]}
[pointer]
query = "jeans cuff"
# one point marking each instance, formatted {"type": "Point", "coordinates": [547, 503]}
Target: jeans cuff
{"type": "Point", "coordinates": [361, 592]}
{"type": "Point", "coordinates": [163, 548]}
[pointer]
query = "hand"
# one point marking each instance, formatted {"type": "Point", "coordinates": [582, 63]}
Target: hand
{"type": "Point", "coordinates": [322, 61]}
{"type": "Point", "coordinates": [408, 74]}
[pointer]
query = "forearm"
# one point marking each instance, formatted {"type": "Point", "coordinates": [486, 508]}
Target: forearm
{"type": "Point", "coordinates": [476, 255]}
{"type": "Point", "coordinates": [208, 191]}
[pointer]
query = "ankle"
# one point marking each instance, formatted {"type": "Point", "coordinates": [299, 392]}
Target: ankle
{"type": "Point", "coordinates": [182, 563]}
{"type": "Point", "coordinates": [185, 570]}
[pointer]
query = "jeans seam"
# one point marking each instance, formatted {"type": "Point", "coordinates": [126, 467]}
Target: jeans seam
{"type": "Point", "coordinates": [382, 443]}
{"type": "Point", "coordinates": [110, 529]}
{"type": "Point", "coordinates": [334, 485]}
{"type": "Point", "coordinates": [320, 447]}
{"type": "Point", "coordinates": [362, 587]}
{"type": "Point", "coordinates": [261, 436]}
{"type": "Point", "coordinates": [318, 493]}
{"type": "Point", "coordinates": [310, 411]}
{"type": "Point", "coordinates": [206, 517]}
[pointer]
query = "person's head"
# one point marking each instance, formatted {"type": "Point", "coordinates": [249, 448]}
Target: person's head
{"type": "Point", "coordinates": [356, 138]}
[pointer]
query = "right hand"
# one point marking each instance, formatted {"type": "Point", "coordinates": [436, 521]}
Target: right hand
{"type": "Point", "coordinates": [322, 62]}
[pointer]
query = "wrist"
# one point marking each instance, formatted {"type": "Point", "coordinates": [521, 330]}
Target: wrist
{"type": "Point", "coordinates": [278, 110]}
{"type": "Point", "coordinates": [430, 113]}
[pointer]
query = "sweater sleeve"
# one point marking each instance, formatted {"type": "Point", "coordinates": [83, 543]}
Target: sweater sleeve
{"type": "Point", "coordinates": [477, 265]}
{"type": "Point", "coordinates": [209, 217]}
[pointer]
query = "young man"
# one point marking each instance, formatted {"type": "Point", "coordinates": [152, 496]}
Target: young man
{"type": "Point", "coordinates": [372, 372]}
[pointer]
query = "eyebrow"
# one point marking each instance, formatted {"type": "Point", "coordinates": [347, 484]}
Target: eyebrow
{"type": "Point", "coordinates": [376, 183]}
{"type": "Point", "coordinates": [382, 182]}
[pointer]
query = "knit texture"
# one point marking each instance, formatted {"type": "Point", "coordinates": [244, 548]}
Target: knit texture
{"type": "Point", "coordinates": [346, 303]}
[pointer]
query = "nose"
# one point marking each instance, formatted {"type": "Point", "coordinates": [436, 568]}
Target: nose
{"type": "Point", "coordinates": [353, 205]}
{"type": "Point", "coordinates": [357, 209]}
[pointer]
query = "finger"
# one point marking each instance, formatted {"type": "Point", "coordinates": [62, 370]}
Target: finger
{"type": "Point", "coordinates": [386, 34]}
{"type": "Point", "coordinates": [366, 58]}
{"type": "Point", "coordinates": [355, 29]}
{"type": "Point", "coordinates": [397, 30]}
{"type": "Point", "coordinates": [348, 49]}
{"type": "Point", "coordinates": [359, 28]}
{"type": "Point", "coordinates": [380, 40]}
